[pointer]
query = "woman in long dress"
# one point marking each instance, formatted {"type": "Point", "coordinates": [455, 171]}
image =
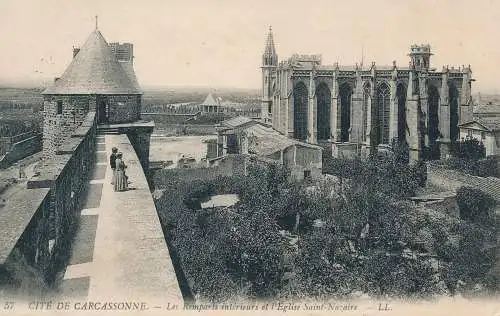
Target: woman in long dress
{"type": "Point", "coordinates": [120, 177]}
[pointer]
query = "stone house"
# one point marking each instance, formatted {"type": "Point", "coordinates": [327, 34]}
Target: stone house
{"type": "Point", "coordinates": [244, 136]}
{"type": "Point", "coordinates": [485, 127]}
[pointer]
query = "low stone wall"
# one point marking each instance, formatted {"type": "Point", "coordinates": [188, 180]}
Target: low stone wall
{"type": "Point", "coordinates": [21, 149]}
{"type": "Point", "coordinates": [184, 129]}
{"type": "Point", "coordinates": [168, 118]}
{"type": "Point", "coordinates": [40, 218]}
{"type": "Point", "coordinates": [443, 203]}
{"type": "Point", "coordinates": [346, 150]}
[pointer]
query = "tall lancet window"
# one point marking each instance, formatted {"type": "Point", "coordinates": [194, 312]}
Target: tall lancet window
{"type": "Point", "coordinates": [300, 99]}
{"type": "Point", "coordinates": [366, 106]}
{"type": "Point", "coordinates": [383, 113]}
{"type": "Point", "coordinates": [323, 102]}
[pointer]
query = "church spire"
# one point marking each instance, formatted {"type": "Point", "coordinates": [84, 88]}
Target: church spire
{"type": "Point", "coordinates": [270, 50]}
{"type": "Point", "coordinates": [270, 58]}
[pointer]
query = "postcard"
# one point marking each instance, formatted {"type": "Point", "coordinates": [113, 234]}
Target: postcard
{"type": "Point", "coordinates": [213, 157]}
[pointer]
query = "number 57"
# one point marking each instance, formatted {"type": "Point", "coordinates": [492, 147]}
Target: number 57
{"type": "Point", "coordinates": [8, 305]}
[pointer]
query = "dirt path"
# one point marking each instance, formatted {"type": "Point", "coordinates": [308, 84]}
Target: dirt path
{"type": "Point", "coordinates": [9, 174]}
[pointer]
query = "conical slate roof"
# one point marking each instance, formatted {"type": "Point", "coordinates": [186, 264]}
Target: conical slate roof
{"type": "Point", "coordinates": [129, 70]}
{"type": "Point", "coordinates": [210, 100]}
{"type": "Point", "coordinates": [94, 70]}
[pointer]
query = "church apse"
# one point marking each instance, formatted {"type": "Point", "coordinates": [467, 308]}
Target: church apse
{"type": "Point", "coordinates": [364, 106]}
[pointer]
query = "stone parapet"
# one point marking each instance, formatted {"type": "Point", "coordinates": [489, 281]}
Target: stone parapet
{"type": "Point", "coordinates": [40, 216]}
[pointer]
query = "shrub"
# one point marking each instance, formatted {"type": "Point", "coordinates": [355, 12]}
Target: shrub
{"type": "Point", "coordinates": [469, 149]}
{"type": "Point", "coordinates": [475, 205]}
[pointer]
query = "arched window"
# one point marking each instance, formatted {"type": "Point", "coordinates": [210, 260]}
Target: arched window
{"type": "Point", "coordinates": [323, 102]}
{"type": "Point", "coordinates": [383, 114]}
{"type": "Point", "coordinates": [366, 106]}
{"type": "Point", "coordinates": [300, 98]}
{"type": "Point", "coordinates": [401, 99]}
{"type": "Point", "coordinates": [433, 122]}
{"type": "Point", "coordinates": [454, 130]}
{"type": "Point", "coordinates": [345, 111]}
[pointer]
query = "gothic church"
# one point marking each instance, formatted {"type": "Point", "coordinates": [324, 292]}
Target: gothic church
{"type": "Point", "coordinates": [358, 110]}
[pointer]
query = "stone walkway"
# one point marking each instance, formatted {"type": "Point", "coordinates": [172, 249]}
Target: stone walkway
{"type": "Point", "coordinates": [119, 252]}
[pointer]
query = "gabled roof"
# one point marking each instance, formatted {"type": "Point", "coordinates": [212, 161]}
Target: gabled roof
{"type": "Point", "coordinates": [267, 141]}
{"type": "Point", "coordinates": [95, 70]}
{"type": "Point", "coordinates": [474, 123]}
{"type": "Point", "coordinates": [487, 123]}
{"type": "Point", "coordinates": [237, 122]}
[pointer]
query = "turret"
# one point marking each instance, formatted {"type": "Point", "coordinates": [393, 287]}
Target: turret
{"type": "Point", "coordinates": [269, 58]}
{"type": "Point", "coordinates": [420, 56]}
{"type": "Point", "coordinates": [269, 65]}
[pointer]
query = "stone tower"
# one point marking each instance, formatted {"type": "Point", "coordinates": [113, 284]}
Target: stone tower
{"type": "Point", "coordinates": [420, 56]}
{"type": "Point", "coordinates": [99, 79]}
{"type": "Point", "coordinates": [269, 65]}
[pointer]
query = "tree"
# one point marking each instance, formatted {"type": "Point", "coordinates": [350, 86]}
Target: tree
{"type": "Point", "coordinates": [475, 205]}
{"type": "Point", "coordinates": [469, 149]}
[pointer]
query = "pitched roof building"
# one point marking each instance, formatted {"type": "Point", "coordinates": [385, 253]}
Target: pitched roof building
{"type": "Point", "coordinates": [244, 136]}
{"type": "Point", "coordinates": [211, 104]}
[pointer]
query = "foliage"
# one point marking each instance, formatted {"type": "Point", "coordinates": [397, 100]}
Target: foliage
{"type": "Point", "coordinates": [13, 127]}
{"type": "Point", "coordinates": [468, 156]}
{"type": "Point", "coordinates": [332, 238]}
{"type": "Point", "coordinates": [487, 167]}
{"type": "Point", "coordinates": [469, 149]}
{"type": "Point", "coordinates": [475, 205]}
{"type": "Point", "coordinates": [388, 175]}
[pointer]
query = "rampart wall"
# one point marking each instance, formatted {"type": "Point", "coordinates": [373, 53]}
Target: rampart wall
{"type": "Point", "coordinates": [39, 220]}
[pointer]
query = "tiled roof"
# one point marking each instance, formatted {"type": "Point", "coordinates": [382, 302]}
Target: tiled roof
{"type": "Point", "coordinates": [237, 121]}
{"type": "Point", "coordinates": [490, 123]}
{"type": "Point", "coordinates": [267, 141]}
{"type": "Point", "coordinates": [95, 70]}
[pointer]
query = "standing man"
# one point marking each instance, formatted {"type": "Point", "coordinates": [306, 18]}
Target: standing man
{"type": "Point", "coordinates": [112, 163]}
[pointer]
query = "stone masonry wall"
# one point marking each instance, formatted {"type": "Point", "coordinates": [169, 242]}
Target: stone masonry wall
{"type": "Point", "coordinates": [140, 140]}
{"type": "Point", "coordinates": [21, 149]}
{"type": "Point", "coordinates": [58, 127]}
{"type": "Point", "coordinates": [49, 204]}
{"type": "Point", "coordinates": [124, 108]}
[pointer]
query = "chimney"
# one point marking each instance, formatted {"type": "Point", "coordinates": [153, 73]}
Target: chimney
{"type": "Point", "coordinates": [75, 51]}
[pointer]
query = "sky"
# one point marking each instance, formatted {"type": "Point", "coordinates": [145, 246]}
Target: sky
{"type": "Point", "coordinates": [219, 43]}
